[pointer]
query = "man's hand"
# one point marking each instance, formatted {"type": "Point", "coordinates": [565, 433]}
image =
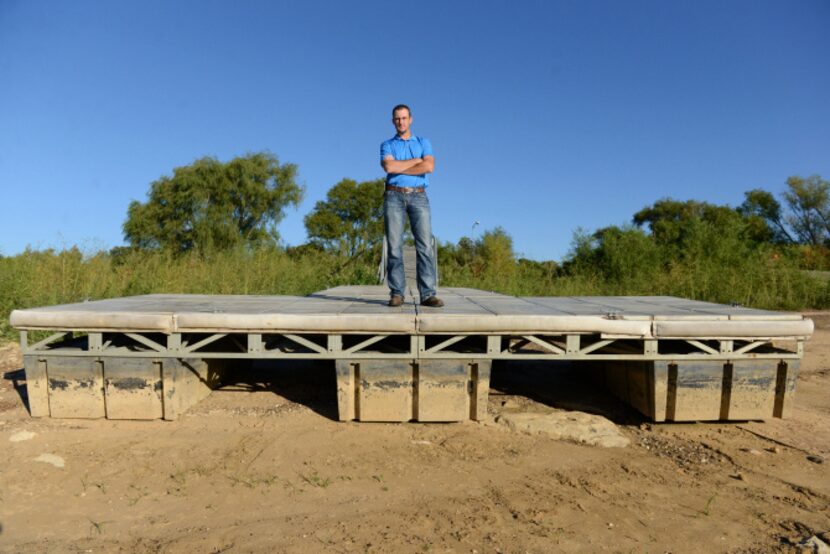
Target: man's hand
{"type": "Point", "coordinates": [391, 165]}
{"type": "Point", "coordinates": [415, 166]}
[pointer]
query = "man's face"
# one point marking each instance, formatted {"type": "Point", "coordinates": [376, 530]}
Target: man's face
{"type": "Point", "coordinates": [402, 120]}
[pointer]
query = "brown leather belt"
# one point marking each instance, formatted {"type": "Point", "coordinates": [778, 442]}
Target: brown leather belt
{"type": "Point", "coordinates": [405, 190]}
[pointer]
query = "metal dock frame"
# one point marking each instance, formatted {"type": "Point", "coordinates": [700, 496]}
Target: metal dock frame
{"type": "Point", "coordinates": [403, 377]}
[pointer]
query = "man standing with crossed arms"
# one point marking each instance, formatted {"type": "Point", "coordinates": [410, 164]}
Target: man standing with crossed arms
{"type": "Point", "coordinates": [407, 159]}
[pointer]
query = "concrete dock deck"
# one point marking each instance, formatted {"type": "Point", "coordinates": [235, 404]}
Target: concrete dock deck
{"type": "Point", "coordinates": [362, 309]}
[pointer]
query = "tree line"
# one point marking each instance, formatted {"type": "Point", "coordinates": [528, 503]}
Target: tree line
{"type": "Point", "coordinates": [211, 205]}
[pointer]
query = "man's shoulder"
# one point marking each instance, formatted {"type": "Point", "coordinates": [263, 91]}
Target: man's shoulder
{"type": "Point", "coordinates": [422, 140]}
{"type": "Point", "coordinates": [398, 142]}
{"type": "Point", "coordinates": [416, 138]}
{"type": "Point", "coordinates": [426, 145]}
{"type": "Point", "coordinates": [390, 140]}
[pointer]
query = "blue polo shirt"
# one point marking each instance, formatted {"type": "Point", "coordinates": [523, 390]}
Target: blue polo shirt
{"type": "Point", "coordinates": [400, 149]}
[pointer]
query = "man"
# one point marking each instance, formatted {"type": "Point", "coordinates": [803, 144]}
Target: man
{"type": "Point", "coordinates": [407, 159]}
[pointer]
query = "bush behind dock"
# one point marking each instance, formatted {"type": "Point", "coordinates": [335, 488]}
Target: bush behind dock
{"type": "Point", "coordinates": [49, 277]}
{"type": "Point", "coordinates": [627, 262]}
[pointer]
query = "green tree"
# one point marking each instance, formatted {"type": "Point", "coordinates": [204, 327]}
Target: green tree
{"type": "Point", "coordinates": [496, 250]}
{"type": "Point", "coordinates": [491, 254]}
{"type": "Point", "coordinates": [807, 216]}
{"type": "Point", "coordinates": [210, 205]}
{"type": "Point", "coordinates": [616, 254]}
{"type": "Point", "coordinates": [350, 220]}
{"type": "Point", "coordinates": [764, 213]}
{"type": "Point", "coordinates": [809, 203]}
{"type": "Point", "coordinates": [461, 254]}
{"type": "Point", "coordinates": [669, 219]}
{"type": "Point", "coordinates": [673, 223]}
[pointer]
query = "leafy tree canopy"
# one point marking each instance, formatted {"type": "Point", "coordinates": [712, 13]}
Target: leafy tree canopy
{"type": "Point", "coordinates": [669, 219]}
{"type": "Point", "coordinates": [806, 219]}
{"type": "Point", "coordinates": [211, 205]}
{"type": "Point", "coordinates": [492, 252]}
{"type": "Point", "coordinates": [350, 220]}
{"type": "Point", "coordinates": [613, 252]}
{"type": "Point", "coordinates": [758, 219]}
{"type": "Point", "coordinates": [764, 212]}
{"type": "Point", "coordinates": [809, 203]}
{"type": "Point", "coordinates": [496, 248]}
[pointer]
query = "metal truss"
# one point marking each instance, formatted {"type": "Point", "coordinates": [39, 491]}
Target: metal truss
{"type": "Point", "coordinates": [391, 346]}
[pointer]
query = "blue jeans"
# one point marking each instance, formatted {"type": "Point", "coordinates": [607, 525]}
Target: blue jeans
{"type": "Point", "coordinates": [397, 206]}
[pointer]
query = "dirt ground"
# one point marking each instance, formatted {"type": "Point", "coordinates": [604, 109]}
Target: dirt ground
{"type": "Point", "coordinates": [263, 466]}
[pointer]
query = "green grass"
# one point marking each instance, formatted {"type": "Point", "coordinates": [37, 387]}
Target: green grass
{"type": "Point", "coordinates": [50, 277]}
{"type": "Point", "coordinates": [716, 271]}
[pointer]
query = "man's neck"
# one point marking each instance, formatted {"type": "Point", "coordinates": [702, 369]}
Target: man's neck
{"type": "Point", "coordinates": [405, 136]}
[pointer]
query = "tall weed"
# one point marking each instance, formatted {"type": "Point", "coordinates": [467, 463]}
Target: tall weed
{"type": "Point", "coordinates": [43, 278]}
{"type": "Point", "coordinates": [714, 266]}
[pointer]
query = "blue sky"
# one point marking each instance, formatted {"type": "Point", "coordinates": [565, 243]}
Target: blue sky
{"type": "Point", "coordinates": [545, 116]}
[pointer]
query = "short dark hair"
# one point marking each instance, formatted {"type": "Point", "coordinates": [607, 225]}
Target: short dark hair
{"type": "Point", "coordinates": [401, 107]}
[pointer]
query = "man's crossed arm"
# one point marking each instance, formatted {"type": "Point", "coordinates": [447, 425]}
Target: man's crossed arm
{"type": "Point", "coordinates": [415, 166]}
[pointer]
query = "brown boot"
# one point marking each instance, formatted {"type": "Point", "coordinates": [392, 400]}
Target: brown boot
{"type": "Point", "coordinates": [395, 301]}
{"type": "Point", "coordinates": [432, 302]}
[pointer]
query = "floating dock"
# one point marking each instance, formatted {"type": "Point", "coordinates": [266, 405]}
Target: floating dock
{"type": "Point", "coordinates": [153, 356]}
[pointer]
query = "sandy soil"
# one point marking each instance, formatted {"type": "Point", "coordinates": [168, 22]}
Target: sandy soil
{"type": "Point", "coordinates": [262, 466]}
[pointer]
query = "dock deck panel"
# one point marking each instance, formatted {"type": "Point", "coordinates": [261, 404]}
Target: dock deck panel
{"type": "Point", "coordinates": [363, 309]}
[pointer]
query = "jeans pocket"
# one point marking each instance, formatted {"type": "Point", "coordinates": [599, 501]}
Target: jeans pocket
{"type": "Point", "coordinates": [420, 199]}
